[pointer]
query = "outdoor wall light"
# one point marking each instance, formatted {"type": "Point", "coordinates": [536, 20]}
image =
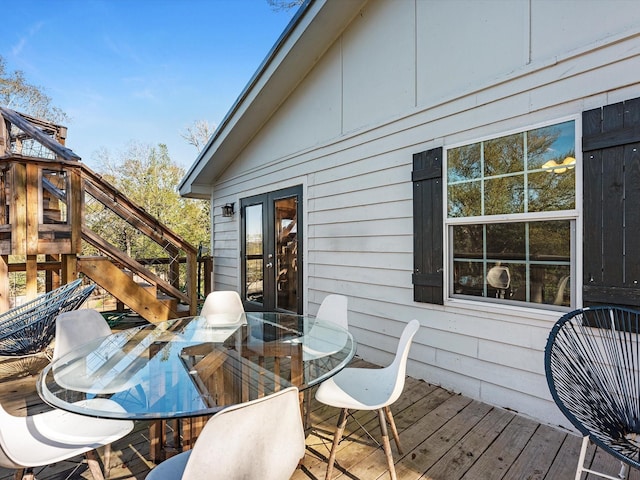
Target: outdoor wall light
{"type": "Point", "coordinates": [227, 210]}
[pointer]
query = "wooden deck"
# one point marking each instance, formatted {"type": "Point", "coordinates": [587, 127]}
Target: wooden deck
{"type": "Point", "coordinates": [445, 436]}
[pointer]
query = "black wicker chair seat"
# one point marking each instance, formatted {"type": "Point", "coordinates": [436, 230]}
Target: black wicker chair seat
{"type": "Point", "coordinates": [592, 364]}
{"type": "Point", "coordinates": [30, 328]}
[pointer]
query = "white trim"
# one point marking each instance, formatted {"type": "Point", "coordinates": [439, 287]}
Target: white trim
{"type": "Point", "coordinates": [575, 215]}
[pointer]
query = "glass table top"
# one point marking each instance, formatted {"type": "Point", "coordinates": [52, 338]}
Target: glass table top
{"type": "Point", "coordinates": [196, 365]}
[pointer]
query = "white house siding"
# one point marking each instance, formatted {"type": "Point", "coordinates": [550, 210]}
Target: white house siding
{"type": "Point", "coordinates": [407, 76]}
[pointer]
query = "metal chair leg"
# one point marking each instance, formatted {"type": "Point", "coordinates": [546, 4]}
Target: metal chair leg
{"type": "Point", "coordinates": [583, 454]}
{"type": "Point", "coordinates": [624, 471]}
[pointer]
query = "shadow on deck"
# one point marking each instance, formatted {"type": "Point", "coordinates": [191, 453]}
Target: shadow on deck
{"type": "Point", "coordinates": [444, 436]}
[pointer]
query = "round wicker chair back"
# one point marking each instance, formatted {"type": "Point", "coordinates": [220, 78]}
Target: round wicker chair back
{"type": "Point", "coordinates": [30, 328]}
{"type": "Point", "coordinates": [592, 362]}
{"type": "Point", "coordinates": [77, 298]}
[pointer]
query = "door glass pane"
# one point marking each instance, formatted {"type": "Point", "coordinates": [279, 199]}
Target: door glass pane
{"type": "Point", "coordinates": [254, 248]}
{"type": "Point", "coordinates": [286, 224]}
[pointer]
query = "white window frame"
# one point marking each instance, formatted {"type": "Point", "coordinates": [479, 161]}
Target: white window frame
{"type": "Point", "coordinates": [574, 215]}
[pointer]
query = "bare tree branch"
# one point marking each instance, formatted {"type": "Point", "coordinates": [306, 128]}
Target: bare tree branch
{"type": "Point", "coordinates": [198, 133]}
{"type": "Point", "coordinates": [279, 5]}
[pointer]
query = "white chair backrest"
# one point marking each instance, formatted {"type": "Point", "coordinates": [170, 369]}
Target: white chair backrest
{"type": "Point", "coordinates": [8, 427]}
{"type": "Point", "coordinates": [222, 302]}
{"type": "Point", "coordinates": [77, 327]}
{"type": "Point", "coordinates": [399, 366]}
{"type": "Point", "coordinates": [334, 308]}
{"type": "Point", "coordinates": [263, 439]}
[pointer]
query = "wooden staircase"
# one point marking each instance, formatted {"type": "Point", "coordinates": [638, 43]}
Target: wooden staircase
{"type": "Point", "coordinates": [45, 215]}
{"type": "Point", "coordinates": [122, 286]}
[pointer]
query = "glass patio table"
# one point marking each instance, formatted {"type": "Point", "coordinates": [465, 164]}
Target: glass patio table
{"type": "Point", "coordinates": [195, 366]}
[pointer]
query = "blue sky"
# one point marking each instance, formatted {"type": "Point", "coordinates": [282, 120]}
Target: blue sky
{"type": "Point", "coordinates": [139, 70]}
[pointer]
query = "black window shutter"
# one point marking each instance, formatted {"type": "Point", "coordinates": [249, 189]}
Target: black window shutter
{"type": "Point", "coordinates": [427, 227]}
{"type": "Point", "coordinates": [611, 204]}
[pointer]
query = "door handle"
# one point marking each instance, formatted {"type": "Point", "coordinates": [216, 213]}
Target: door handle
{"type": "Point", "coordinates": [269, 265]}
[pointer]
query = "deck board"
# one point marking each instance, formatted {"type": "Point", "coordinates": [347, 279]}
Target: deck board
{"type": "Point", "coordinates": [444, 436]}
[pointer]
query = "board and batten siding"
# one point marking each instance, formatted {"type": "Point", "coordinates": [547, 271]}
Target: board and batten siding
{"type": "Point", "coordinates": [349, 139]}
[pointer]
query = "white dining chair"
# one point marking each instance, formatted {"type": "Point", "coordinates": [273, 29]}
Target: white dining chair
{"type": "Point", "coordinates": [316, 345]}
{"type": "Point", "coordinates": [369, 389]}
{"type": "Point", "coordinates": [39, 440]}
{"type": "Point", "coordinates": [261, 439]}
{"type": "Point", "coordinates": [77, 327]}
{"type": "Point", "coordinates": [334, 309]}
{"type": "Point", "coordinates": [222, 302]}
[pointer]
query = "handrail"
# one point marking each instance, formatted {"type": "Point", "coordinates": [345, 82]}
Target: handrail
{"type": "Point", "coordinates": [132, 264]}
{"type": "Point", "coordinates": [45, 150]}
{"type": "Point", "coordinates": [118, 200]}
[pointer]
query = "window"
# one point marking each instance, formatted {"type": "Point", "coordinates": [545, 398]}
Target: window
{"type": "Point", "coordinates": [511, 216]}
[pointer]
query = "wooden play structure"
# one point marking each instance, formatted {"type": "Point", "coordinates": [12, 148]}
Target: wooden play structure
{"type": "Point", "coordinates": [47, 192]}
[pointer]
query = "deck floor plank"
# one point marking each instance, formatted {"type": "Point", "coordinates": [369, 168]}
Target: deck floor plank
{"type": "Point", "coordinates": [444, 436]}
{"type": "Point", "coordinates": [465, 453]}
{"type": "Point", "coordinates": [535, 460]}
{"type": "Point", "coordinates": [502, 452]}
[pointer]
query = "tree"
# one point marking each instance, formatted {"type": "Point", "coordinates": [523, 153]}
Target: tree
{"type": "Point", "coordinates": [198, 133]}
{"type": "Point", "coordinates": [284, 4]}
{"type": "Point", "coordinates": [147, 175]}
{"type": "Point", "coordinates": [17, 94]}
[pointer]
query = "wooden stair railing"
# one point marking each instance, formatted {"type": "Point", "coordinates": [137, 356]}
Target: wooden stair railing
{"type": "Point", "coordinates": [44, 191]}
{"type": "Point", "coordinates": [152, 309]}
{"type": "Point", "coordinates": [103, 272]}
{"type": "Point", "coordinates": [122, 258]}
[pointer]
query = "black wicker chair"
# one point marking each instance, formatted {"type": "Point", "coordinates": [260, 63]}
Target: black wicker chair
{"type": "Point", "coordinates": [77, 298]}
{"type": "Point", "coordinates": [592, 362]}
{"type": "Point", "coordinates": [30, 328]}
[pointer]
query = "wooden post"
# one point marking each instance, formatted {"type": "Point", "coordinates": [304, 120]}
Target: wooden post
{"type": "Point", "coordinates": [192, 287]}
{"type": "Point", "coordinates": [5, 301]}
{"type": "Point", "coordinates": [208, 275]}
{"type": "Point", "coordinates": [69, 268]}
{"type": "Point", "coordinates": [33, 207]}
{"type": "Point", "coordinates": [32, 277]}
{"type": "Point", "coordinates": [75, 197]}
{"type": "Point", "coordinates": [19, 210]}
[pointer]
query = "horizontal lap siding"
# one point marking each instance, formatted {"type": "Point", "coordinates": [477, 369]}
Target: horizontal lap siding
{"type": "Point", "coordinates": [359, 230]}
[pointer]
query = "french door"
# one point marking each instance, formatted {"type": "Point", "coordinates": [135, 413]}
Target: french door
{"type": "Point", "coordinates": [271, 250]}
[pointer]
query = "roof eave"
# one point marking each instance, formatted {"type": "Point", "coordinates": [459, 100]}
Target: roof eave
{"type": "Point", "coordinates": [314, 28]}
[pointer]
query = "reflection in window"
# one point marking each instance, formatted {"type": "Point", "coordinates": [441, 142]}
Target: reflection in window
{"type": "Point", "coordinates": [254, 249]}
{"type": "Point", "coordinates": [529, 176]}
{"type": "Point", "coordinates": [527, 262]}
{"type": "Point", "coordinates": [527, 172]}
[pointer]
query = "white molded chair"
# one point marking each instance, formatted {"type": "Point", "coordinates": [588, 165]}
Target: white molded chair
{"type": "Point", "coordinates": [77, 327]}
{"type": "Point", "coordinates": [56, 435]}
{"type": "Point", "coordinates": [222, 302]}
{"type": "Point", "coordinates": [369, 389]}
{"type": "Point", "coordinates": [83, 326]}
{"type": "Point", "coordinates": [333, 309]}
{"type": "Point", "coordinates": [261, 439]}
{"type": "Point", "coordinates": [224, 312]}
